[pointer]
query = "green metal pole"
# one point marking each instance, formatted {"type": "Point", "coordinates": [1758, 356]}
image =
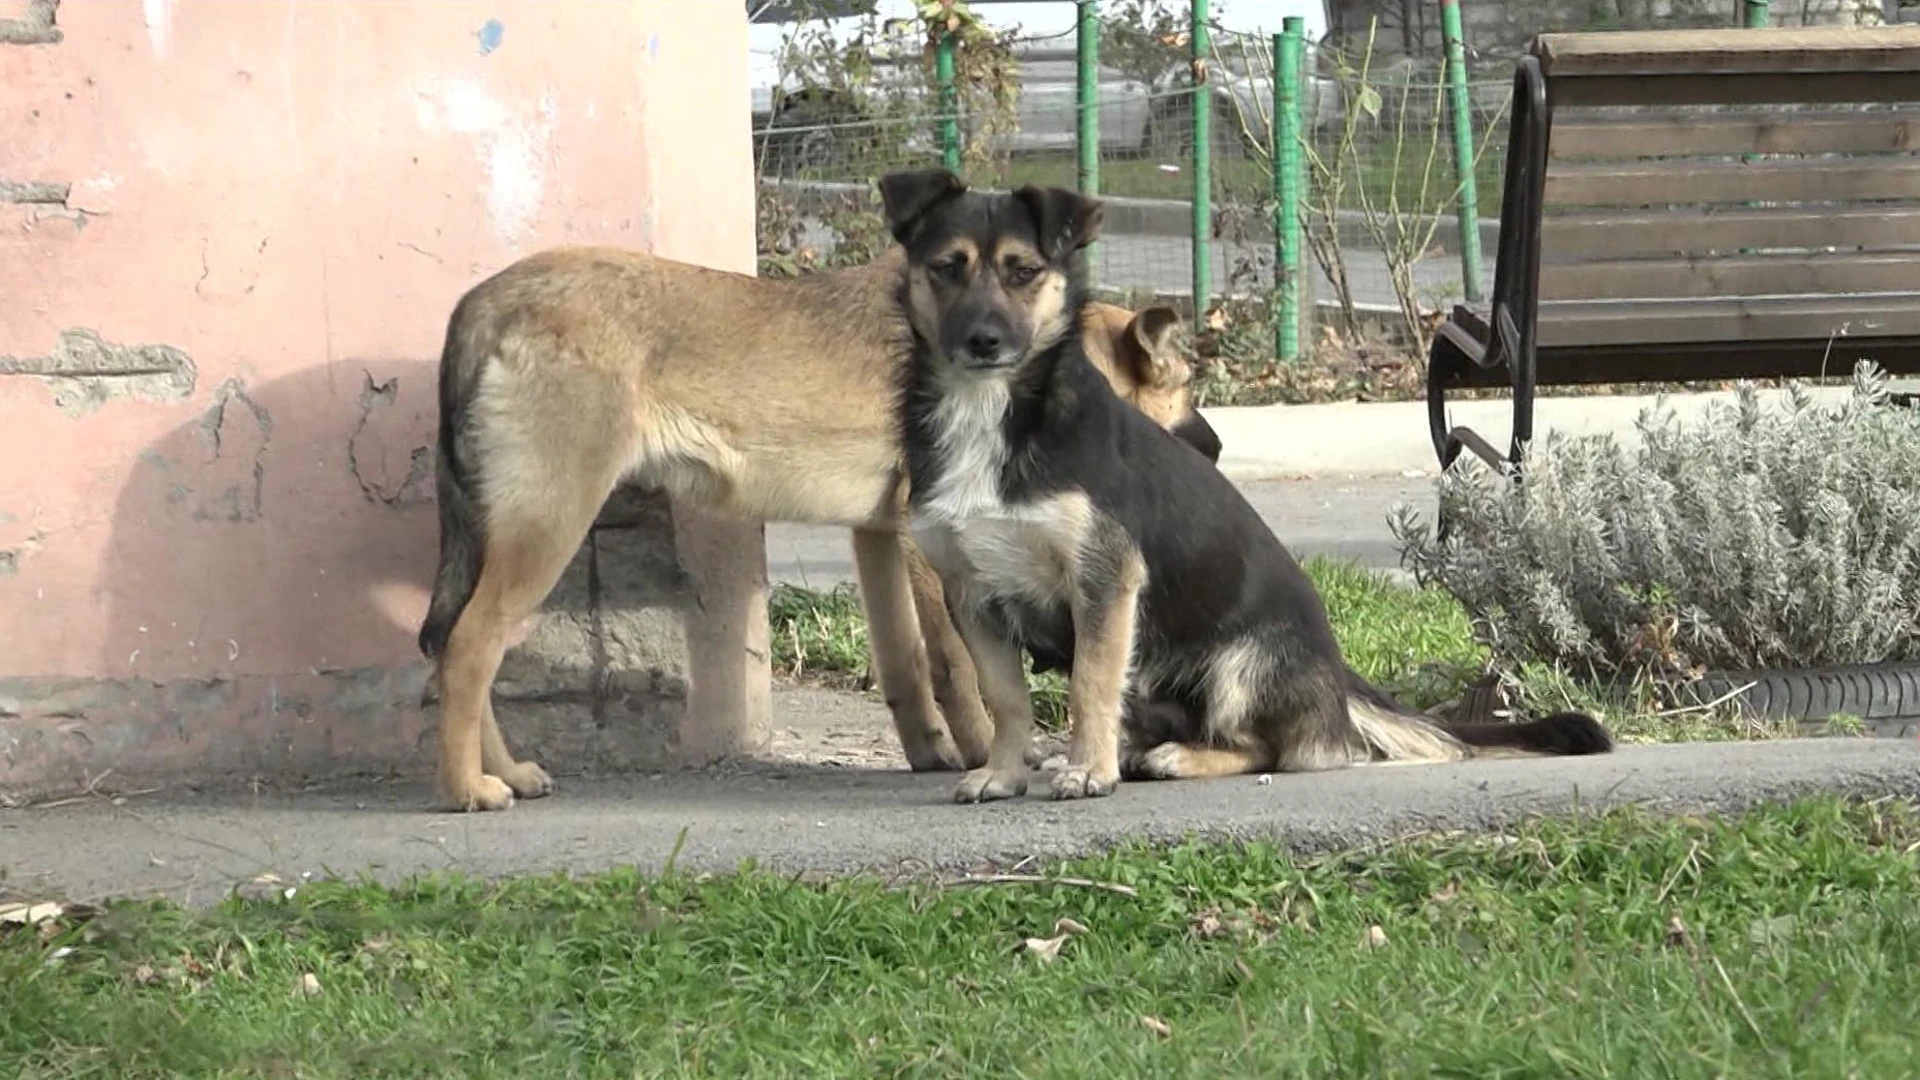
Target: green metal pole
{"type": "Point", "coordinates": [1289, 50]}
{"type": "Point", "coordinates": [1202, 51]}
{"type": "Point", "coordinates": [949, 104]}
{"type": "Point", "coordinates": [1468, 208]}
{"type": "Point", "coordinates": [1755, 16]}
{"type": "Point", "coordinates": [1087, 97]}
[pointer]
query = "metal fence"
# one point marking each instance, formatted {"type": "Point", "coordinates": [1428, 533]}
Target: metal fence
{"type": "Point", "coordinates": [1300, 184]}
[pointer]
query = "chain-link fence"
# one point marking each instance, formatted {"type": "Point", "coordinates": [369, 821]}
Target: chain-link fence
{"type": "Point", "coordinates": [1378, 204]}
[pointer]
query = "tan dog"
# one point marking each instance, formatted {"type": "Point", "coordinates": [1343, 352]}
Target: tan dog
{"type": "Point", "coordinates": [578, 369]}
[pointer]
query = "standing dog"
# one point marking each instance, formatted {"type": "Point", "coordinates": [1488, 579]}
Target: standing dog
{"type": "Point", "coordinates": [1065, 524]}
{"type": "Point", "coordinates": [578, 369]}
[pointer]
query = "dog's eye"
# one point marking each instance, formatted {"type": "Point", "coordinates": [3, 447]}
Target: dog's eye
{"type": "Point", "coordinates": [1023, 275]}
{"type": "Point", "coordinates": [954, 269]}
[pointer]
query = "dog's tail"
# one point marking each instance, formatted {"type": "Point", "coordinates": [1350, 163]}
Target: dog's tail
{"type": "Point", "coordinates": [1394, 732]}
{"type": "Point", "coordinates": [462, 516]}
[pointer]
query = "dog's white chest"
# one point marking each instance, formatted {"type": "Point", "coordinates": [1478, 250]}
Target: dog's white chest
{"type": "Point", "coordinates": [1013, 555]}
{"type": "Point", "coordinates": [1021, 551]}
{"type": "Point", "coordinates": [1025, 553]}
{"type": "Point", "coordinates": [968, 433]}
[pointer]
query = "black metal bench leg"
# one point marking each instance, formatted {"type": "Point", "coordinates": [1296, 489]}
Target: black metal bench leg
{"type": "Point", "coordinates": [1520, 360]}
{"type": "Point", "coordinates": [1440, 367]}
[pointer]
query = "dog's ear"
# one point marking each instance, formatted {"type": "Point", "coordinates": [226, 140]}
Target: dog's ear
{"type": "Point", "coordinates": [1065, 221]}
{"type": "Point", "coordinates": [1152, 333]}
{"type": "Point", "coordinates": [908, 194]}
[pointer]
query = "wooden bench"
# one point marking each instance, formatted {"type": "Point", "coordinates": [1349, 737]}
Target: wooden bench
{"type": "Point", "coordinates": [1697, 205]}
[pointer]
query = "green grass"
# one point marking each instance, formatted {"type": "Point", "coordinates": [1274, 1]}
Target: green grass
{"type": "Point", "coordinates": [1784, 943]}
{"type": "Point", "coordinates": [1415, 642]}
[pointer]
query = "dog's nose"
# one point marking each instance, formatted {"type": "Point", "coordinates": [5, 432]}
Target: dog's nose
{"type": "Point", "coordinates": [984, 344]}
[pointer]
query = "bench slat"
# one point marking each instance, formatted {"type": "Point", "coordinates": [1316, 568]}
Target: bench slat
{"type": "Point", "coordinates": [1693, 231]}
{"type": "Point", "coordinates": [1655, 363]}
{"type": "Point", "coordinates": [1858, 87]}
{"type": "Point", "coordinates": [1587, 137]}
{"type": "Point", "coordinates": [1571, 323]}
{"type": "Point", "coordinates": [1730, 275]}
{"type": "Point", "coordinates": [1728, 51]}
{"type": "Point", "coordinates": [1697, 183]}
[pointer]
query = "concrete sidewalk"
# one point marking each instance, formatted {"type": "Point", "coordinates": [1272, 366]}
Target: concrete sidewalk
{"type": "Point", "coordinates": [1284, 442]}
{"type": "Point", "coordinates": [865, 814]}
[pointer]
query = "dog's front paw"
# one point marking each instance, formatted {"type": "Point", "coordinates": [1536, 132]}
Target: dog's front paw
{"type": "Point", "coordinates": [1075, 782]}
{"type": "Point", "coordinates": [985, 785]}
{"type": "Point", "coordinates": [528, 780]}
{"type": "Point", "coordinates": [478, 792]}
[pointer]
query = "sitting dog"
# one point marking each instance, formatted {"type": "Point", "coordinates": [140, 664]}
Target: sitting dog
{"type": "Point", "coordinates": [1068, 525]}
{"type": "Point", "coordinates": [1137, 357]}
{"type": "Point", "coordinates": [579, 369]}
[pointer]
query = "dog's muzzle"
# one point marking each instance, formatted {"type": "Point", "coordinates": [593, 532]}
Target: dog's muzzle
{"type": "Point", "coordinates": [987, 349]}
{"type": "Point", "coordinates": [1197, 433]}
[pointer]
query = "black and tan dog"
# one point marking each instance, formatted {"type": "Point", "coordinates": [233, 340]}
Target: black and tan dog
{"type": "Point", "coordinates": [577, 369]}
{"type": "Point", "coordinates": [1067, 525]}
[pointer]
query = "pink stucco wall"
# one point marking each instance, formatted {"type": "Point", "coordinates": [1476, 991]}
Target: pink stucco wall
{"type": "Point", "coordinates": [292, 195]}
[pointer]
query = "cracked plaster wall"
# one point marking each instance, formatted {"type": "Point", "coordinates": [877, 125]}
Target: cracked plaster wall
{"type": "Point", "coordinates": [230, 237]}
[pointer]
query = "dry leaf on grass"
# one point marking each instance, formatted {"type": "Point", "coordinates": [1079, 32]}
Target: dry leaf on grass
{"type": "Point", "coordinates": [307, 985]}
{"type": "Point", "coordinates": [1157, 1026]}
{"type": "Point", "coordinates": [1677, 933]}
{"type": "Point", "coordinates": [29, 914]}
{"type": "Point", "coordinates": [1375, 938]}
{"type": "Point", "coordinates": [1047, 949]}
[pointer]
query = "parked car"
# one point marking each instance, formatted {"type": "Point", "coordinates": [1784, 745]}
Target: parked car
{"type": "Point", "coordinates": [802, 126]}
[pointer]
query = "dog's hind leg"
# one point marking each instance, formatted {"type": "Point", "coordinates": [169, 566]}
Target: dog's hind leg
{"type": "Point", "coordinates": [899, 655]}
{"type": "Point", "coordinates": [1292, 709]}
{"type": "Point", "coordinates": [537, 459]}
{"type": "Point", "coordinates": [956, 683]}
{"type": "Point", "coordinates": [1180, 761]}
{"type": "Point", "coordinates": [524, 558]}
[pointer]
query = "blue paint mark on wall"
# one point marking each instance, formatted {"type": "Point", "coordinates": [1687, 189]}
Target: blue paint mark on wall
{"type": "Point", "coordinates": [490, 36]}
{"type": "Point", "coordinates": [653, 47]}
